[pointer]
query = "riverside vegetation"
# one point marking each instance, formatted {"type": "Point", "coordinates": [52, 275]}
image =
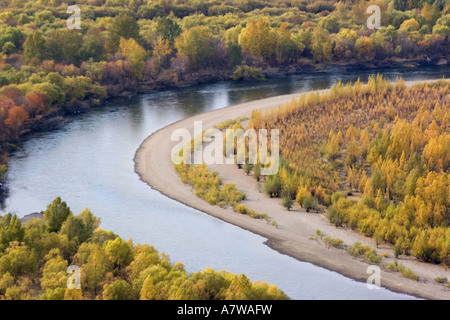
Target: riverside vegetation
{"type": "Point", "coordinates": [370, 255]}
{"type": "Point", "coordinates": [34, 259]}
{"type": "Point", "coordinates": [381, 167]}
{"type": "Point", "coordinates": [207, 185]}
{"type": "Point", "coordinates": [126, 46]}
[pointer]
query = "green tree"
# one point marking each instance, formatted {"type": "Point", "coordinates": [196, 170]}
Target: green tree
{"type": "Point", "coordinates": [77, 227]}
{"type": "Point", "coordinates": [57, 212]}
{"type": "Point", "coordinates": [288, 202]}
{"type": "Point", "coordinates": [94, 265]}
{"type": "Point", "coordinates": [196, 45]}
{"type": "Point", "coordinates": [377, 181]}
{"type": "Point", "coordinates": [149, 290]}
{"type": "Point", "coordinates": [259, 39]}
{"type": "Point", "coordinates": [287, 48]}
{"type": "Point", "coordinates": [122, 26]}
{"type": "Point", "coordinates": [35, 48]}
{"type": "Point", "coordinates": [117, 290]}
{"type": "Point", "coordinates": [18, 260]}
{"type": "Point", "coordinates": [239, 288]}
{"type": "Point", "coordinates": [168, 29]}
{"type": "Point", "coordinates": [353, 151]}
{"type": "Point", "coordinates": [273, 186]}
{"type": "Point", "coordinates": [10, 230]}
{"type": "Point", "coordinates": [54, 274]}
{"type": "Point", "coordinates": [209, 284]}
{"type": "Point", "coordinates": [64, 45]}
{"type": "Point", "coordinates": [400, 5]}
{"type": "Point", "coordinates": [91, 222]}
{"type": "Point", "coordinates": [161, 50]}
{"type": "Point", "coordinates": [364, 48]}
{"type": "Point", "coordinates": [410, 25]}
{"type": "Point", "coordinates": [118, 252]}
{"type": "Point", "coordinates": [11, 35]}
{"type": "Point", "coordinates": [134, 54]}
{"type": "Point", "coordinates": [144, 257]}
{"type": "Point", "coordinates": [231, 40]}
{"type": "Point", "coordinates": [45, 16]}
{"type": "Point", "coordinates": [93, 46]}
{"type": "Point", "coordinates": [333, 145]}
{"type": "Point", "coordinates": [6, 281]}
{"type": "Point", "coordinates": [329, 23]}
{"type": "Point", "coordinates": [321, 45]}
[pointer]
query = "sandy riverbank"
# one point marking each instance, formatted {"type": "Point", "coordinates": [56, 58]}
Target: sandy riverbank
{"type": "Point", "coordinates": [292, 237]}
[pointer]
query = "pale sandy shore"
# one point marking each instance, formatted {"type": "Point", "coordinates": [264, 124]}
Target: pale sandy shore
{"type": "Point", "coordinates": [292, 237]}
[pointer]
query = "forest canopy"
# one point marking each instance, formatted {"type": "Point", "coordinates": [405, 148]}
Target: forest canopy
{"type": "Point", "coordinates": [35, 256]}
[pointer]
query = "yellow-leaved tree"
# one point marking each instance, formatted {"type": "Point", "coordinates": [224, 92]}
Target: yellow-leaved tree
{"type": "Point", "coordinates": [259, 39]}
{"type": "Point", "coordinates": [134, 54]}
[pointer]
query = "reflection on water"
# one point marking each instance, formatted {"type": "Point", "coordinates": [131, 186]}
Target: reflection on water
{"type": "Point", "coordinates": [89, 163]}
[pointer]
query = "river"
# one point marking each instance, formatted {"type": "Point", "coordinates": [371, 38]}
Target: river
{"type": "Point", "coordinates": [89, 163]}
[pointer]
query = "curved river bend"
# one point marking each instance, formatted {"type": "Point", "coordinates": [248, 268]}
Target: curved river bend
{"type": "Point", "coordinates": [89, 163]}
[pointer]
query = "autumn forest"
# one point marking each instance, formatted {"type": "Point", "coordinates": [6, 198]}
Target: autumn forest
{"type": "Point", "coordinates": [374, 157]}
{"type": "Point", "coordinates": [382, 166]}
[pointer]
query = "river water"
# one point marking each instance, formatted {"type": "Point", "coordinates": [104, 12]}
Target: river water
{"type": "Point", "coordinates": [89, 163]}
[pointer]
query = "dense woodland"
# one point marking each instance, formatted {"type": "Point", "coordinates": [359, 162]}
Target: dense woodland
{"type": "Point", "coordinates": [375, 157]}
{"type": "Point", "coordinates": [127, 46]}
{"type": "Point", "coordinates": [34, 258]}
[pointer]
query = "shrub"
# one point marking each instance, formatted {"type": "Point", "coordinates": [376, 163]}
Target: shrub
{"type": "Point", "coordinates": [255, 215]}
{"type": "Point", "coordinates": [334, 242]}
{"type": "Point", "coordinates": [230, 194]}
{"type": "Point", "coordinates": [248, 73]}
{"type": "Point", "coordinates": [372, 256]}
{"type": "Point", "coordinates": [335, 216]}
{"type": "Point", "coordinates": [211, 196]}
{"type": "Point", "coordinates": [310, 204]}
{"type": "Point", "coordinates": [117, 290]}
{"type": "Point", "coordinates": [441, 280]}
{"type": "Point", "coordinates": [319, 233]}
{"type": "Point", "coordinates": [369, 254]}
{"type": "Point", "coordinates": [241, 208]}
{"type": "Point", "coordinates": [288, 202]}
{"type": "Point", "coordinates": [273, 186]}
{"type": "Point", "coordinates": [302, 194]}
{"type": "Point", "coordinates": [397, 251]}
{"type": "Point", "coordinates": [358, 249]}
{"type": "Point", "coordinates": [408, 273]}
